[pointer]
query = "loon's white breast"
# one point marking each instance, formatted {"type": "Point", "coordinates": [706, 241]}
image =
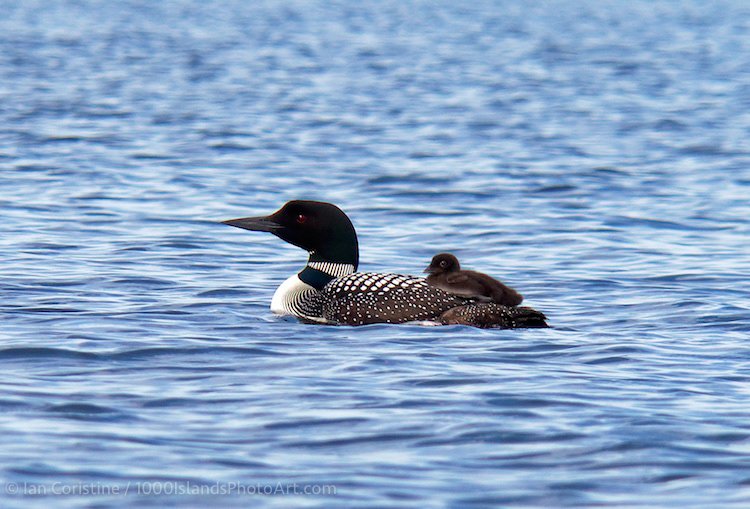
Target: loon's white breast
{"type": "Point", "coordinates": [289, 294]}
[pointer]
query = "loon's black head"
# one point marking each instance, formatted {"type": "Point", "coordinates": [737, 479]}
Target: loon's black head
{"type": "Point", "coordinates": [320, 228]}
{"type": "Point", "coordinates": [443, 262]}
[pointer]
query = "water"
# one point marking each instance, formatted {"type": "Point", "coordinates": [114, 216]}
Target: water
{"type": "Point", "coordinates": [593, 155]}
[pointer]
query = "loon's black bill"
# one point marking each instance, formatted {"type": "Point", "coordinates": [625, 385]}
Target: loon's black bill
{"type": "Point", "coordinates": [256, 224]}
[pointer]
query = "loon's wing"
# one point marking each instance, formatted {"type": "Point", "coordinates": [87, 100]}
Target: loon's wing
{"type": "Point", "coordinates": [368, 297]}
{"type": "Point", "coordinates": [457, 278]}
{"type": "Point", "coordinates": [493, 315]}
{"type": "Point", "coordinates": [498, 291]}
{"type": "Point", "coordinates": [465, 286]}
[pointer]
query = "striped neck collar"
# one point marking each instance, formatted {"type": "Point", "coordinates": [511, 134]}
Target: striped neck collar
{"type": "Point", "coordinates": [332, 268]}
{"type": "Point", "coordinates": [319, 274]}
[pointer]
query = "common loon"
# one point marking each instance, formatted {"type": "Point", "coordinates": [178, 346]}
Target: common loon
{"type": "Point", "coordinates": [329, 290]}
{"type": "Point", "coordinates": [445, 273]}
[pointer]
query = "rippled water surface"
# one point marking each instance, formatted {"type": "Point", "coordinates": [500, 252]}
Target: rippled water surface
{"type": "Point", "coordinates": [593, 155]}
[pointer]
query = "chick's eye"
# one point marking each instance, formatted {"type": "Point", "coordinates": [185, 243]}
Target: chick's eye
{"type": "Point", "coordinates": [443, 263]}
{"type": "Point", "coordinates": [301, 218]}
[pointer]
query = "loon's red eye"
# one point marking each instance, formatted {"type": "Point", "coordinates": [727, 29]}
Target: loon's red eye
{"type": "Point", "coordinates": [301, 219]}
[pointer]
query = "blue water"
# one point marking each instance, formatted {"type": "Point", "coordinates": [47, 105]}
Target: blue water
{"type": "Point", "coordinates": [592, 154]}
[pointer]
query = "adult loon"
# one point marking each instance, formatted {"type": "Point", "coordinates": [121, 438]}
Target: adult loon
{"type": "Point", "coordinates": [445, 273]}
{"type": "Point", "coordinates": [329, 290]}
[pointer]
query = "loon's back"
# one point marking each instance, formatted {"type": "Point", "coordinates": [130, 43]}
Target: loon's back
{"type": "Point", "coordinates": [365, 297]}
{"type": "Point", "coordinates": [369, 297]}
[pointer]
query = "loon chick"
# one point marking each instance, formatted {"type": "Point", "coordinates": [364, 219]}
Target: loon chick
{"type": "Point", "coordinates": [329, 290]}
{"type": "Point", "coordinates": [445, 273]}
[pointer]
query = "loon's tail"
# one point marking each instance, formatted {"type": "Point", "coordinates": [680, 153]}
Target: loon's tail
{"type": "Point", "coordinates": [488, 315]}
